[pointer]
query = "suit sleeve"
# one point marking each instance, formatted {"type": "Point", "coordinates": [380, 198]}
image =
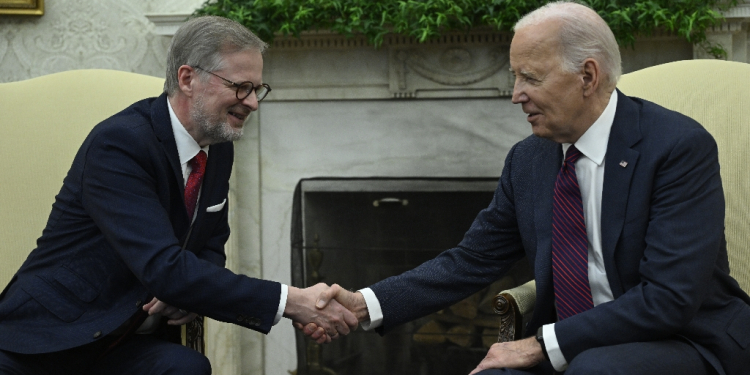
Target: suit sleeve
{"type": "Point", "coordinates": [679, 243]}
{"type": "Point", "coordinates": [119, 191]}
{"type": "Point", "coordinates": [488, 250]}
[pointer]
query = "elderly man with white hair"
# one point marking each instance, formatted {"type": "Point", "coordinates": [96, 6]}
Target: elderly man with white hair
{"type": "Point", "coordinates": [617, 205]}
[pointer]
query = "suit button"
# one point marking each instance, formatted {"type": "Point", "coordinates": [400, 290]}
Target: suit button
{"type": "Point", "coordinates": [97, 334]}
{"type": "Point", "coordinates": [256, 322]}
{"type": "Point", "coordinates": [241, 318]}
{"type": "Point", "coordinates": [137, 303]}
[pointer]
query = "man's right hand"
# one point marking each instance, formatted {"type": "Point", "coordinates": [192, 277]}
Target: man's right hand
{"type": "Point", "coordinates": [353, 301]}
{"type": "Point", "coordinates": [328, 321]}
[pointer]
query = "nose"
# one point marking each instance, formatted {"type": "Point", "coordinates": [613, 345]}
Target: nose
{"type": "Point", "coordinates": [519, 95]}
{"type": "Point", "coordinates": [251, 101]}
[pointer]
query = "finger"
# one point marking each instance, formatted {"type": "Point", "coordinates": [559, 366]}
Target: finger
{"type": "Point", "coordinates": [351, 320]}
{"type": "Point", "coordinates": [323, 339]}
{"type": "Point", "coordinates": [298, 326]}
{"type": "Point", "coordinates": [327, 295]}
{"type": "Point", "coordinates": [311, 328]}
{"type": "Point", "coordinates": [172, 312]}
{"type": "Point", "coordinates": [320, 332]}
{"type": "Point", "coordinates": [157, 308]}
{"type": "Point", "coordinates": [184, 320]}
{"type": "Point", "coordinates": [149, 305]}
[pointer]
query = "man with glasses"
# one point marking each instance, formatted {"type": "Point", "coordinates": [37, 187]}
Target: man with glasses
{"type": "Point", "coordinates": [135, 242]}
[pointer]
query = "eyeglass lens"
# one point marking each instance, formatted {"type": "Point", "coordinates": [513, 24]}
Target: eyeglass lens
{"type": "Point", "coordinates": [244, 90]}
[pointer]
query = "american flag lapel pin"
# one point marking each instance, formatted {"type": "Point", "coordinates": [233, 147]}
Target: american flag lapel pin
{"type": "Point", "coordinates": [623, 164]}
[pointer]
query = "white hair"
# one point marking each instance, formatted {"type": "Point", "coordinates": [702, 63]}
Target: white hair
{"type": "Point", "coordinates": [583, 34]}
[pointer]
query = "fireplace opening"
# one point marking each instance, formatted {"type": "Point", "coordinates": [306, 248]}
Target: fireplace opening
{"type": "Point", "coordinates": [357, 231]}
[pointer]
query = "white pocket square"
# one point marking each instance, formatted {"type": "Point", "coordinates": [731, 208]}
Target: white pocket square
{"type": "Point", "coordinates": [216, 208]}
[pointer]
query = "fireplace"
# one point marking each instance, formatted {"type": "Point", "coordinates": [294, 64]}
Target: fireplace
{"type": "Point", "coordinates": [357, 231]}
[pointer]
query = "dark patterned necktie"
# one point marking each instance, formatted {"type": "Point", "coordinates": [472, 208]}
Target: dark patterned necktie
{"type": "Point", "coordinates": [193, 186]}
{"type": "Point", "coordinates": [570, 261]}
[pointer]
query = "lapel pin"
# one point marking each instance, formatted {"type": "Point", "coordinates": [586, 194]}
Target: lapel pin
{"type": "Point", "coordinates": [623, 164]}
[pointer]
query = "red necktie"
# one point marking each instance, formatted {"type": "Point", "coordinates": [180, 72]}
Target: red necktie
{"type": "Point", "coordinates": [193, 186]}
{"type": "Point", "coordinates": [570, 262]}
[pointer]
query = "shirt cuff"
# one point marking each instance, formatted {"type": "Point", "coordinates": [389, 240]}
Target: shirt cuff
{"type": "Point", "coordinates": [553, 348]}
{"type": "Point", "coordinates": [282, 303]}
{"type": "Point", "coordinates": [373, 308]}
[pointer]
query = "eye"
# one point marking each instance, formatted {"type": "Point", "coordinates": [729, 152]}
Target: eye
{"type": "Point", "coordinates": [246, 87]}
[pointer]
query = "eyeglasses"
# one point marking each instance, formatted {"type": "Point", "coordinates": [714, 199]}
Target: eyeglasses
{"type": "Point", "coordinates": [243, 88]}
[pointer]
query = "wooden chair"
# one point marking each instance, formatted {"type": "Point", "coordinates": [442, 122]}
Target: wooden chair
{"type": "Point", "coordinates": [43, 121]}
{"type": "Point", "coordinates": [715, 93]}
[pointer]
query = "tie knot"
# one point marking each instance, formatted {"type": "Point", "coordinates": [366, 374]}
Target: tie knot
{"type": "Point", "coordinates": [198, 162]}
{"type": "Point", "coordinates": [572, 155]}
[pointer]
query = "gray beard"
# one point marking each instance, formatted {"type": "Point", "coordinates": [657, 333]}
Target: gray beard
{"type": "Point", "coordinates": [214, 129]}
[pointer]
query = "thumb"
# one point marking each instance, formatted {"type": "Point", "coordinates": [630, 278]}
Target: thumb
{"type": "Point", "coordinates": [327, 295]}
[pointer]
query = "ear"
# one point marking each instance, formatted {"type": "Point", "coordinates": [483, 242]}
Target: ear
{"type": "Point", "coordinates": [591, 75]}
{"type": "Point", "coordinates": [186, 76]}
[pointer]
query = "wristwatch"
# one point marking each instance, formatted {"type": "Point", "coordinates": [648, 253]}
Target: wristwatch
{"type": "Point", "coordinates": [540, 340]}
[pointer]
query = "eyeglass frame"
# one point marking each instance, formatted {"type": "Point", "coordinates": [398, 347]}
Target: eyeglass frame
{"type": "Point", "coordinates": [237, 86]}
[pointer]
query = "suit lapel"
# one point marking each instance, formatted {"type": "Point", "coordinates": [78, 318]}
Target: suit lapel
{"type": "Point", "coordinates": [162, 124]}
{"type": "Point", "coordinates": [620, 163]}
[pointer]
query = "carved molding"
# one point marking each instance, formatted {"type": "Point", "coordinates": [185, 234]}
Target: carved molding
{"type": "Point", "coordinates": [449, 70]}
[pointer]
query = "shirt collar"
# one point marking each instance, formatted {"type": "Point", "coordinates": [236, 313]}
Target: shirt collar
{"type": "Point", "coordinates": [187, 147]}
{"type": "Point", "coordinates": [593, 143]}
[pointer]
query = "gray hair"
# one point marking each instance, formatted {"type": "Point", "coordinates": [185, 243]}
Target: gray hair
{"type": "Point", "coordinates": [202, 41]}
{"type": "Point", "coordinates": [583, 35]}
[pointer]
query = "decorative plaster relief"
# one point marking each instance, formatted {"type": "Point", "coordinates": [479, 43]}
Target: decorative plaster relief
{"type": "Point", "coordinates": [449, 69]}
{"type": "Point", "coordinates": [325, 66]}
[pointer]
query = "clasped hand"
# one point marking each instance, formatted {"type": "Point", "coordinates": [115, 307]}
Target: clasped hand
{"type": "Point", "coordinates": [177, 317]}
{"type": "Point", "coordinates": [324, 322]}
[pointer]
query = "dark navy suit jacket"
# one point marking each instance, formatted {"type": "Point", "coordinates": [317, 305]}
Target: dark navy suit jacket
{"type": "Point", "coordinates": [119, 234]}
{"type": "Point", "coordinates": [662, 240]}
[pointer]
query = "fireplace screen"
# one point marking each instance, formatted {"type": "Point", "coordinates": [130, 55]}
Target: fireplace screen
{"type": "Point", "coordinates": [356, 232]}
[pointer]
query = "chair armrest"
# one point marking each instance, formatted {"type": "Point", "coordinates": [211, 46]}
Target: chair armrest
{"type": "Point", "coordinates": [193, 335]}
{"type": "Point", "coordinates": [512, 305]}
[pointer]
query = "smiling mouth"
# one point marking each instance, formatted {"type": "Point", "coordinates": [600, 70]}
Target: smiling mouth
{"type": "Point", "coordinates": [238, 116]}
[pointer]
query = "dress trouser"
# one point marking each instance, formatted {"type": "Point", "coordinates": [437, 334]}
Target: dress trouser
{"type": "Point", "coordinates": [138, 354]}
{"type": "Point", "coordinates": [668, 357]}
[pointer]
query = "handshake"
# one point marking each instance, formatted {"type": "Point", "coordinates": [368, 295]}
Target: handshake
{"type": "Point", "coordinates": [325, 313]}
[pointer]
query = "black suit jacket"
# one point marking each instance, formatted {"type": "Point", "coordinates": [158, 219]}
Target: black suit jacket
{"type": "Point", "coordinates": [119, 234]}
{"type": "Point", "coordinates": [662, 241]}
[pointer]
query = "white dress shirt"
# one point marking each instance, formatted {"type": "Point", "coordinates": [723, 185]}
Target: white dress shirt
{"type": "Point", "coordinates": [590, 174]}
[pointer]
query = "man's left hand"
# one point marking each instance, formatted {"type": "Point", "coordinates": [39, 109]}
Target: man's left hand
{"type": "Point", "coordinates": [515, 354]}
{"type": "Point", "coordinates": [177, 317]}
